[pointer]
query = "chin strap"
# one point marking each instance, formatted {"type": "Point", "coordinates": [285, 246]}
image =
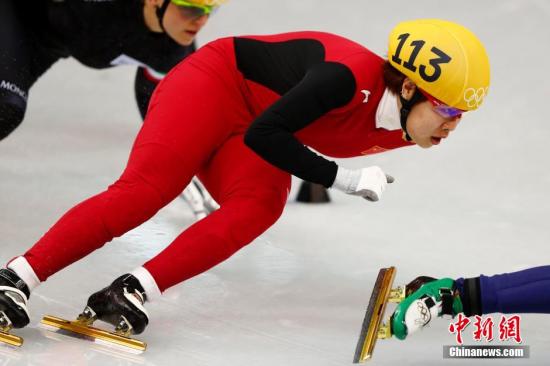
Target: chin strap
{"type": "Point", "coordinates": [406, 106]}
{"type": "Point", "coordinates": [160, 13]}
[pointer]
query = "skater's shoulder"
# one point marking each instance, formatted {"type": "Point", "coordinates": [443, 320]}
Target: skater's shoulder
{"type": "Point", "coordinates": [320, 36]}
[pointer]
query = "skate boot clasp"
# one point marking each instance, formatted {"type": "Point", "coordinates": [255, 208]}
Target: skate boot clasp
{"type": "Point", "coordinates": [123, 328]}
{"type": "Point", "coordinates": [5, 336]}
{"type": "Point", "coordinates": [397, 294]}
{"type": "Point", "coordinates": [384, 332]}
{"type": "Point", "coordinates": [87, 317]}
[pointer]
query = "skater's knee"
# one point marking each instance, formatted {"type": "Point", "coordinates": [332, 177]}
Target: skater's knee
{"type": "Point", "coordinates": [151, 181]}
{"type": "Point", "coordinates": [128, 203]}
{"type": "Point", "coordinates": [160, 168]}
{"type": "Point", "coordinates": [270, 206]}
{"type": "Point", "coordinates": [11, 116]}
{"type": "Point", "coordinates": [266, 205]}
{"type": "Point", "coordinates": [254, 215]}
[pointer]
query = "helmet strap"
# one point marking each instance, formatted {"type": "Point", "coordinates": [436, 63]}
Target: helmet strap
{"type": "Point", "coordinates": [160, 13]}
{"type": "Point", "coordinates": [406, 106]}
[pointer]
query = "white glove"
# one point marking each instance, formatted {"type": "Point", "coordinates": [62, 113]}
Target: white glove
{"type": "Point", "coordinates": [368, 183]}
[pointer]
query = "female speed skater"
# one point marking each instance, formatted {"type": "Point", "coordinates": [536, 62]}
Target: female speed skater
{"type": "Point", "coordinates": [242, 113]}
{"type": "Point", "coordinates": [526, 291]}
{"type": "Point", "coordinates": [152, 34]}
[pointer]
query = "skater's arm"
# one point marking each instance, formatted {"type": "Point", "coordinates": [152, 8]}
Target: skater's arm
{"type": "Point", "coordinates": [325, 87]}
{"type": "Point", "coordinates": [523, 291]}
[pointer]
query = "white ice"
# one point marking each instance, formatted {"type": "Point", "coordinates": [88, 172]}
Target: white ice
{"type": "Point", "coordinates": [478, 203]}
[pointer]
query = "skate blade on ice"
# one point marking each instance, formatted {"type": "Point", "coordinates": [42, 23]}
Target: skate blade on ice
{"type": "Point", "coordinates": [5, 336]}
{"type": "Point", "coordinates": [81, 330]}
{"type": "Point", "coordinates": [93, 348]}
{"type": "Point", "coordinates": [10, 339]}
{"type": "Point", "coordinates": [372, 328]}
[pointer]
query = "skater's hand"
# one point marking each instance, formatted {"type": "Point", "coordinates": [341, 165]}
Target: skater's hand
{"type": "Point", "coordinates": [368, 183]}
{"type": "Point", "coordinates": [426, 299]}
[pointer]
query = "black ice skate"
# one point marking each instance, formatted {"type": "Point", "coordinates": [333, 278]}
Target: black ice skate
{"type": "Point", "coordinates": [120, 304]}
{"type": "Point", "coordinates": [312, 193]}
{"type": "Point", "coordinates": [14, 295]}
{"type": "Point", "coordinates": [199, 200]}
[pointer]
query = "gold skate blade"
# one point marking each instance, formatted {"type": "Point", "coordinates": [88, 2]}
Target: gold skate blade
{"type": "Point", "coordinates": [94, 333]}
{"type": "Point", "coordinates": [10, 339]}
{"type": "Point", "coordinates": [374, 314]}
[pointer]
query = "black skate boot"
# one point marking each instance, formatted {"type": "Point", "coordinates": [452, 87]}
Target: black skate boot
{"type": "Point", "coordinates": [120, 304]}
{"type": "Point", "coordinates": [14, 295]}
{"type": "Point", "coordinates": [199, 200]}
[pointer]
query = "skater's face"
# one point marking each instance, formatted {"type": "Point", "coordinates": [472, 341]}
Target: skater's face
{"type": "Point", "coordinates": [183, 25]}
{"type": "Point", "coordinates": [426, 127]}
{"type": "Point", "coordinates": [425, 124]}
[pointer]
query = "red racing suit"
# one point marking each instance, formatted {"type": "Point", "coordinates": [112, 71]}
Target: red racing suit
{"type": "Point", "coordinates": [277, 94]}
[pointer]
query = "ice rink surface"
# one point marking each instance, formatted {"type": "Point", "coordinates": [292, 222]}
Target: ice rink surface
{"type": "Point", "coordinates": [478, 203]}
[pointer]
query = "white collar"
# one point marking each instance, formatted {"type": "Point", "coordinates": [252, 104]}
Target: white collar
{"type": "Point", "coordinates": [387, 113]}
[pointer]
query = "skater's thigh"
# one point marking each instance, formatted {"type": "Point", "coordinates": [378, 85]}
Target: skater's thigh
{"type": "Point", "coordinates": [192, 113]}
{"type": "Point", "coordinates": [159, 168]}
{"type": "Point", "coordinates": [236, 173]}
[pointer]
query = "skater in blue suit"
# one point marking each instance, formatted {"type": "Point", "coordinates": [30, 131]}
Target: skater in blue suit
{"type": "Point", "coordinates": [526, 291]}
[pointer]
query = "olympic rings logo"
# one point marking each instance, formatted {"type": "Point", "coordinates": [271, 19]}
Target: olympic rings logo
{"type": "Point", "coordinates": [423, 312]}
{"type": "Point", "coordinates": [474, 97]}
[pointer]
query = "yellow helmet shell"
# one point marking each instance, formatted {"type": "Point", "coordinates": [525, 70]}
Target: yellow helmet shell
{"type": "Point", "coordinates": [442, 58]}
{"type": "Point", "coordinates": [208, 2]}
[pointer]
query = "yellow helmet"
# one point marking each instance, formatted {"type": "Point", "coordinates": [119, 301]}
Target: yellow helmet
{"type": "Point", "coordinates": [208, 2]}
{"type": "Point", "coordinates": [442, 58]}
{"type": "Point", "coordinates": [199, 3]}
